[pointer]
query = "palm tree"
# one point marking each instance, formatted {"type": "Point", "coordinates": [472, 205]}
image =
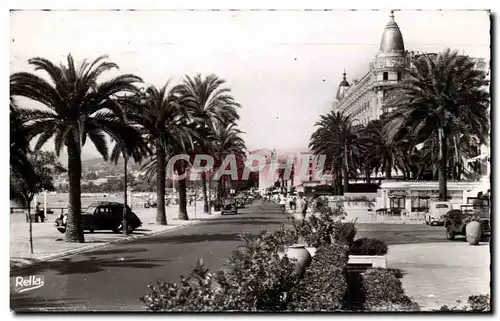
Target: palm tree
{"type": "Point", "coordinates": [19, 144]}
{"type": "Point", "coordinates": [380, 153]}
{"type": "Point", "coordinates": [442, 96]}
{"type": "Point", "coordinates": [228, 142]}
{"type": "Point", "coordinates": [130, 144]}
{"type": "Point", "coordinates": [210, 103]}
{"type": "Point", "coordinates": [339, 139]}
{"type": "Point", "coordinates": [163, 116]}
{"type": "Point", "coordinates": [77, 107]}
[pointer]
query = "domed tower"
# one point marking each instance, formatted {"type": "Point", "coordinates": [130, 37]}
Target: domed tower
{"type": "Point", "coordinates": [389, 64]}
{"type": "Point", "coordinates": [343, 87]}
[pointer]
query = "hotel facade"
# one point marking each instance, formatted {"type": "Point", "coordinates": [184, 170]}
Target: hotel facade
{"type": "Point", "coordinates": [366, 99]}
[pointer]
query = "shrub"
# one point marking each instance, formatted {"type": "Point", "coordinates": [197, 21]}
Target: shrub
{"type": "Point", "coordinates": [256, 280]}
{"type": "Point", "coordinates": [324, 284]}
{"type": "Point", "coordinates": [197, 292]}
{"type": "Point", "coordinates": [323, 229]}
{"type": "Point", "coordinates": [479, 303]}
{"type": "Point", "coordinates": [344, 232]}
{"type": "Point", "coordinates": [278, 240]}
{"type": "Point", "coordinates": [475, 303]}
{"type": "Point", "coordinates": [383, 290]}
{"type": "Point", "coordinates": [368, 246]}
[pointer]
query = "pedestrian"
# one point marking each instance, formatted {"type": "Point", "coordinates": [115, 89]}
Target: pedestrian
{"type": "Point", "coordinates": [294, 203]}
{"type": "Point", "coordinates": [282, 203]}
{"type": "Point", "coordinates": [290, 202]}
{"type": "Point", "coordinates": [39, 212]}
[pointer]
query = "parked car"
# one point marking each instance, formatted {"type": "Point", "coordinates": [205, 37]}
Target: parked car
{"type": "Point", "coordinates": [103, 216]}
{"type": "Point", "coordinates": [150, 203]}
{"type": "Point", "coordinates": [437, 212]}
{"type": "Point", "coordinates": [240, 203]}
{"type": "Point", "coordinates": [229, 209]}
{"type": "Point", "coordinates": [456, 220]}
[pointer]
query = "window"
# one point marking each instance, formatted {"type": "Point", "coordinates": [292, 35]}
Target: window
{"type": "Point", "coordinates": [399, 76]}
{"type": "Point", "coordinates": [397, 202]}
{"type": "Point", "coordinates": [386, 75]}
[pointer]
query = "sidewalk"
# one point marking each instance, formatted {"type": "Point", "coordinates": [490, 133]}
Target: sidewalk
{"type": "Point", "coordinates": [48, 243]}
{"type": "Point", "coordinates": [437, 274]}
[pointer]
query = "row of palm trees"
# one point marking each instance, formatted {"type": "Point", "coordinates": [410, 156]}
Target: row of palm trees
{"type": "Point", "coordinates": [439, 119]}
{"type": "Point", "coordinates": [145, 123]}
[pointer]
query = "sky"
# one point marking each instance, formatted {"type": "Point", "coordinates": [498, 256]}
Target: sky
{"type": "Point", "coordinates": [283, 67]}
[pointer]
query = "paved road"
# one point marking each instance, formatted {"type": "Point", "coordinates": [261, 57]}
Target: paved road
{"type": "Point", "coordinates": [114, 277]}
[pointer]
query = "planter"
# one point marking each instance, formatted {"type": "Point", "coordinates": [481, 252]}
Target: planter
{"type": "Point", "coordinates": [473, 232]}
{"type": "Point", "coordinates": [376, 261]}
{"type": "Point", "coordinates": [311, 250]}
{"type": "Point", "coordinates": [301, 255]}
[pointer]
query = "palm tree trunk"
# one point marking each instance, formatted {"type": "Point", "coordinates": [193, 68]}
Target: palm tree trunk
{"type": "Point", "coordinates": [161, 215]}
{"type": "Point", "coordinates": [30, 227]}
{"type": "Point", "coordinates": [74, 231]}
{"type": "Point", "coordinates": [182, 198]}
{"type": "Point", "coordinates": [367, 174]}
{"type": "Point", "coordinates": [345, 171]}
{"type": "Point", "coordinates": [388, 169]}
{"type": "Point", "coordinates": [442, 170]}
{"type": "Point", "coordinates": [124, 217]}
{"type": "Point", "coordinates": [204, 191]}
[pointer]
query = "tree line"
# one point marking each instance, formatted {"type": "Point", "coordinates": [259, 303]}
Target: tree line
{"type": "Point", "coordinates": [146, 124]}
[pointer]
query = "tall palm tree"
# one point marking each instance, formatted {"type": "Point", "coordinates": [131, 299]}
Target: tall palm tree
{"type": "Point", "coordinates": [228, 142]}
{"type": "Point", "coordinates": [339, 139]}
{"type": "Point", "coordinates": [380, 153]}
{"type": "Point", "coordinates": [443, 95]}
{"type": "Point", "coordinates": [129, 145]}
{"type": "Point", "coordinates": [19, 143]}
{"type": "Point", "coordinates": [211, 103]}
{"type": "Point", "coordinates": [163, 116]}
{"type": "Point", "coordinates": [77, 107]}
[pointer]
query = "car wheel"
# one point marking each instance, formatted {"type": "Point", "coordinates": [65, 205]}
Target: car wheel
{"type": "Point", "coordinates": [116, 230]}
{"type": "Point", "coordinates": [91, 230]}
{"type": "Point", "coordinates": [61, 230]}
{"type": "Point", "coordinates": [450, 235]}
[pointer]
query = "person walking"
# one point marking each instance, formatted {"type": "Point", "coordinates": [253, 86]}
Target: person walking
{"type": "Point", "coordinates": [290, 202]}
{"type": "Point", "coordinates": [302, 206]}
{"type": "Point", "coordinates": [282, 203]}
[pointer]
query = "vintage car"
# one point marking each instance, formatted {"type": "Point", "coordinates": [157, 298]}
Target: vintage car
{"type": "Point", "coordinates": [103, 216]}
{"type": "Point", "coordinates": [456, 220]}
{"type": "Point", "coordinates": [229, 209]}
{"type": "Point", "coordinates": [437, 212]}
{"type": "Point", "coordinates": [150, 203]}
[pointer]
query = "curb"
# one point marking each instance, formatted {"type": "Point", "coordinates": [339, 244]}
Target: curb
{"type": "Point", "coordinates": [20, 266]}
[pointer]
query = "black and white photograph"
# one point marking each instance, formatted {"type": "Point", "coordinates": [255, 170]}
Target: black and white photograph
{"type": "Point", "coordinates": [250, 160]}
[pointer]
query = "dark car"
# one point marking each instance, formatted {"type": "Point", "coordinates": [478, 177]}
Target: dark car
{"type": "Point", "coordinates": [229, 209]}
{"type": "Point", "coordinates": [104, 216]}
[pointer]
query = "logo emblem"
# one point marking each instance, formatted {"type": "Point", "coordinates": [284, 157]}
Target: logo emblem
{"type": "Point", "coordinates": [27, 283]}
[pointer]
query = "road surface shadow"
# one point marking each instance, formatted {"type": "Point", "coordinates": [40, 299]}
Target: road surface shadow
{"type": "Point", "coordinates": [188, 238]}
{"type": "Point", "coordinates": [248, 222]}
{"type": "Point", "coordinates": [66, 266]}
{"type": "Point", "coordinates": [22, 303]}
{"type": "Point", "coordinates": [115, 251]}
